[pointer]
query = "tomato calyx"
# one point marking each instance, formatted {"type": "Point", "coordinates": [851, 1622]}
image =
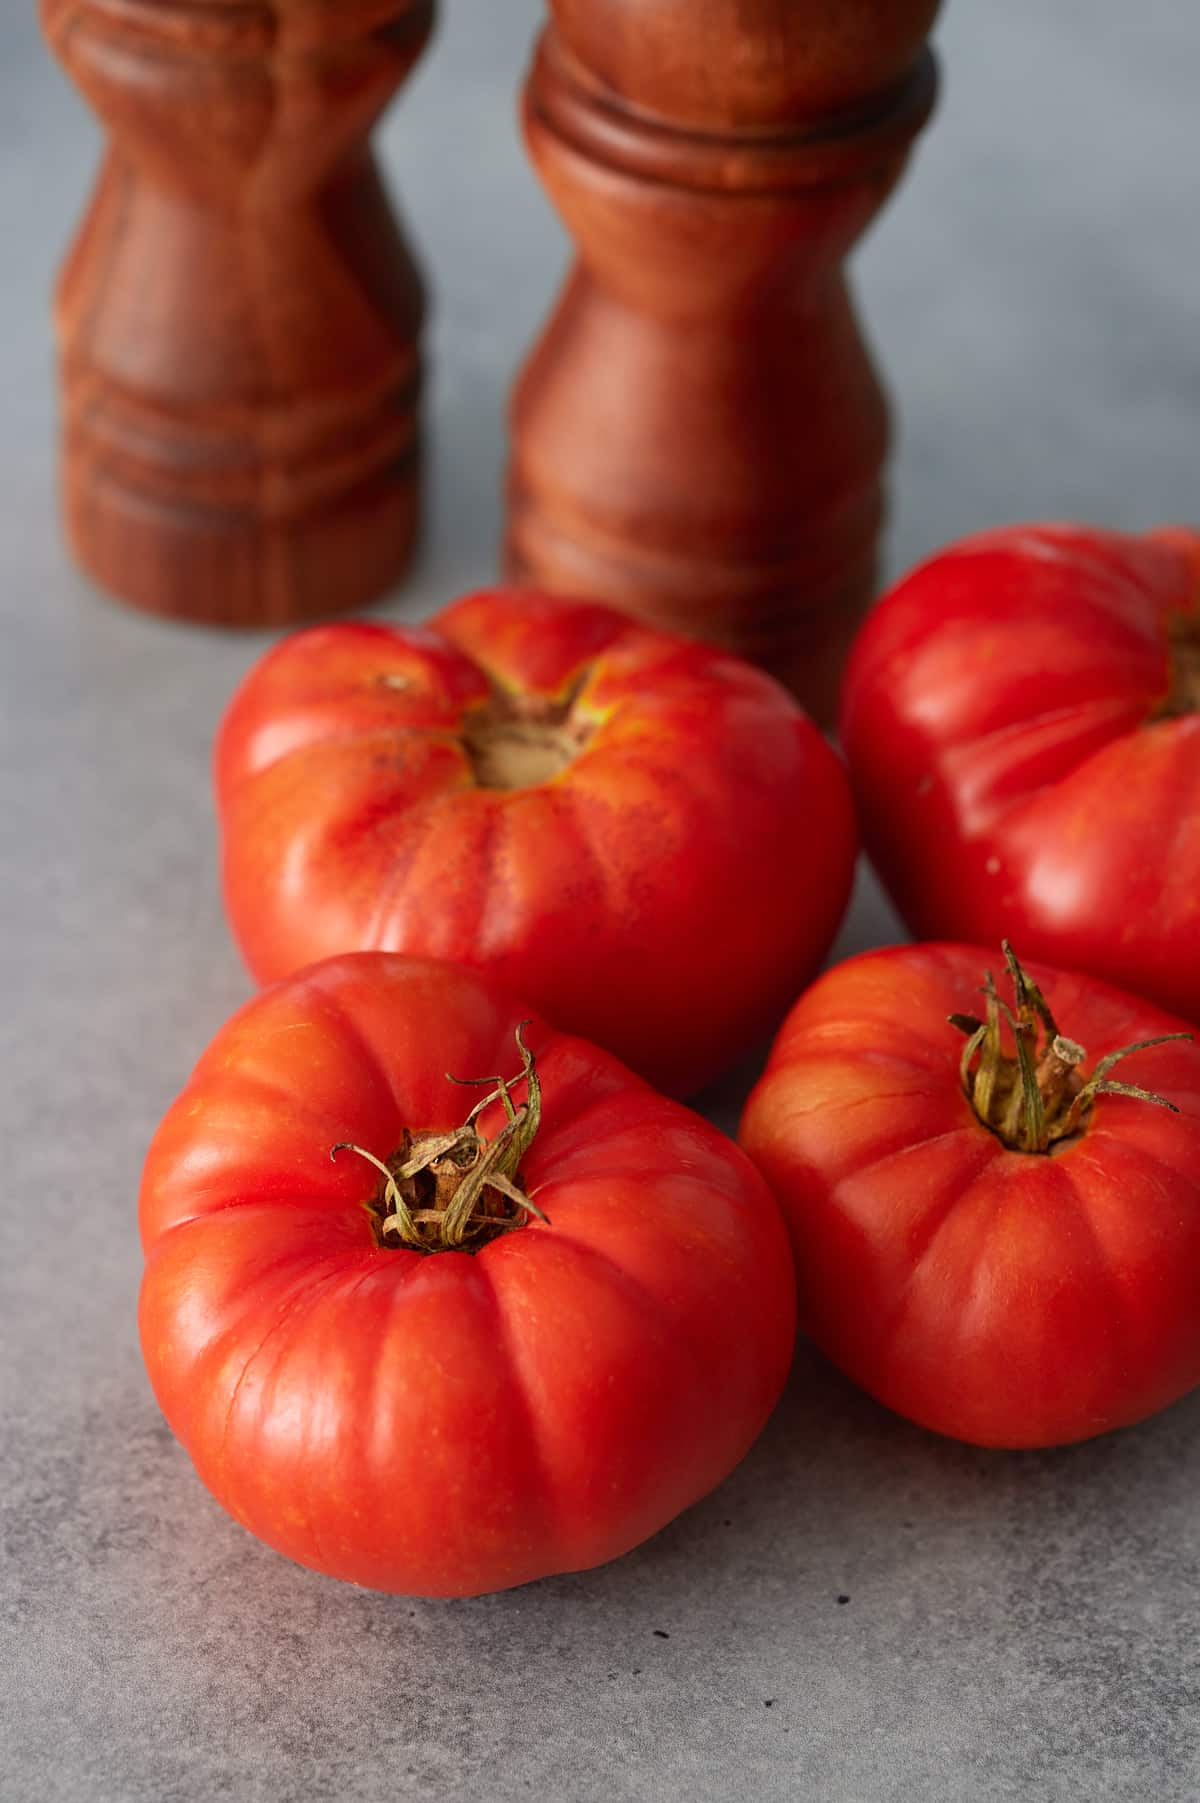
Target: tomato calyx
{"type": "Point", "coordinates": [1182, 631]}
{"type": "Point", "coordinates": [454, 1191]}
{"type": "Point", "coordinates": [1183, 663]}
{"type": "Point", "coordinates": [1037, 1098]}
{"type": "Point", "coordinates": [516, 741]}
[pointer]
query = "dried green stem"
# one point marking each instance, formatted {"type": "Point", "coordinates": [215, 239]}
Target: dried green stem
{"type": "Point", "coordinates": [1034, 1096]}
{"type": "Point", "coordinates": [1183, 666]}
{"type": "Point", "coordinates": [453, 1189]}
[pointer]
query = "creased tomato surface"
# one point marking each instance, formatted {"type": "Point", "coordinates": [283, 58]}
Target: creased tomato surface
{"type": "Point", "coordinates": [451, 1422]}
{"type": "Point", "coordinates": [998, 1296]}
{"type": "Point", "coordinates": [647, 839]}
{"type": "Point", "coordinates": [1020, 720]}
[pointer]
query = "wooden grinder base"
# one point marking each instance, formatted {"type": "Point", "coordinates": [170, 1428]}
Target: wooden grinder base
{"type": "Point", "coordinates": [699, 434]}
{"type": "Point", "coordinates": [238, 319]}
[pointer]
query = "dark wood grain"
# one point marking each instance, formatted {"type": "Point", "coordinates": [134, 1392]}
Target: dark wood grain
{"type": "Point", "coordinates": [699, 434]}
{"type": "Point", "coordinates": [238, 319]}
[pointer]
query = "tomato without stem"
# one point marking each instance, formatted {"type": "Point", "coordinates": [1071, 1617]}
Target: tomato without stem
{"type": "Point", "coordinates": [646, 838]}
{"type": "Point", "coordinates": [1003, 1296]}
{"type": "Point", "coordinates": [1020, 717]}
{"type": "Point", "coordinates": [448, 1422]}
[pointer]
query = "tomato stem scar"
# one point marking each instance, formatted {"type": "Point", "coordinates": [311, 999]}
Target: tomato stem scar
{"type": "Point", "coordinates": [1183, 657]}
{"type": "Point", "coordinates": [1183, 634]}
{"type": "Point", "coordinates": [516, 741]}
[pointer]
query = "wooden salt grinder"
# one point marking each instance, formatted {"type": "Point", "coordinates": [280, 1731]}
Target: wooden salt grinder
{"type": "Point", "coordinates": [238, 318]}
{"type": "Point", "coordinates": [699, 434]}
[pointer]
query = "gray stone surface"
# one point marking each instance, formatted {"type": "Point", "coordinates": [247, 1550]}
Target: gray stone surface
{"type": "Point", "coordinates": [862, 1613]}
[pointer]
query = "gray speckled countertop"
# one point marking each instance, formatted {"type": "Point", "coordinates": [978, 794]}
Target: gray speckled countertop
{"type": "Point", "coordinates": [862, 1612]}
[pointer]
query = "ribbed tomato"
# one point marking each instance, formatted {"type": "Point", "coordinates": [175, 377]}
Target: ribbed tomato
{"type": "Point", "coordinates": [1011, 1259]}
{"type": "Point", "coordinates": [404, 1377]}
{"type": "Point", "coordinates": [646, 838]}
{"type": "Point", "coordinates": [1020, 717]}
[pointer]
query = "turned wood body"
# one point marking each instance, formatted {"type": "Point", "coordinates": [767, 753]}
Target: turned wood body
{"type": "Point", "coordinates": [238, 319]}
{"type": "Point", "coordinates": [699, 434]}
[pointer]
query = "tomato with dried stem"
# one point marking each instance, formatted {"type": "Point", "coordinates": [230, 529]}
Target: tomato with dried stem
{"type": "Point", "coordinates": [645, 837]}
{"type": "Point", "coordinates": [1021, 717]}
{"type": "Point", "coordinates": [992, 1192]}
{"type": "Point", "coordinates": [438, 1343]}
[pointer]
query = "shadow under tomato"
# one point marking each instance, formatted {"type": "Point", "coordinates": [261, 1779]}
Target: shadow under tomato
{"type": "Point", "coordinates": [849, 1564]}
{"type": "Point", "coordinates": [836, 1481]}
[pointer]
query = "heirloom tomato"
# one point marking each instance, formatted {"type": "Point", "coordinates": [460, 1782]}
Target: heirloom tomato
{"type": "Point", "coordinates": [645, 837]}
{"type": "Point", "coordinates": [998, 1235]}
{"type": "Point", "coordinates": [443, 1348]}
{"type": "Point", "coordinates": [1020, 717]}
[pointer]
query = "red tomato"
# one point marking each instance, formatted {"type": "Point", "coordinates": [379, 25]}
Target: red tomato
{"type": "Point", "coordinates": [645, 837]}
{"type": "Point", "coordinates": [1001, 1296]}
{"type": "Point", "coordinates": [1020, 720]}
{"type": "Point", "coordinates": [450, 1422]}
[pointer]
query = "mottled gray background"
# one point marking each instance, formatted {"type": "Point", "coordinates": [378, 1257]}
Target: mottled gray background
{"type": "Point", "coordinates": [862, 1612]}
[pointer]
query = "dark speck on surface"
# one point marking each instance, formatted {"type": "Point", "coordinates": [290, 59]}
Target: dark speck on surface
{"type": "Point", "coordinates": [661, 1634]}
{"type": "Point", "coordinates": [843, 1599]}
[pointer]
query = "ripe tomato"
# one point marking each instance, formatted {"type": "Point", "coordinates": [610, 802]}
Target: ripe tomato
{"type": "Point", "coordinates": [533, 1397]}
{"type": "Point", "coordinates": [1020, 720]}
{"type": "Point", "coordinates": [645, 837]}
{"type": "Point", "coordinates": [1001, 1295]}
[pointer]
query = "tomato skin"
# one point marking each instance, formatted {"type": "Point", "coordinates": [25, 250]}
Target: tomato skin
{"type": "Point", "coordinates": [996, 718]}
{"type": "Point", "coordinates": [665, 895]}
{"type": "Point", "coordinates": [450, 1423]}
{"type": "Point", "coordinates": [999, 1297]}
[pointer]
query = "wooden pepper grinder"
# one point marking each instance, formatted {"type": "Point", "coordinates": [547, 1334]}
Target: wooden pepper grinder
{"type": "Point", "coordinates": [699, 434]}
{"type": "Point", "coordinates": [238, 319]}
